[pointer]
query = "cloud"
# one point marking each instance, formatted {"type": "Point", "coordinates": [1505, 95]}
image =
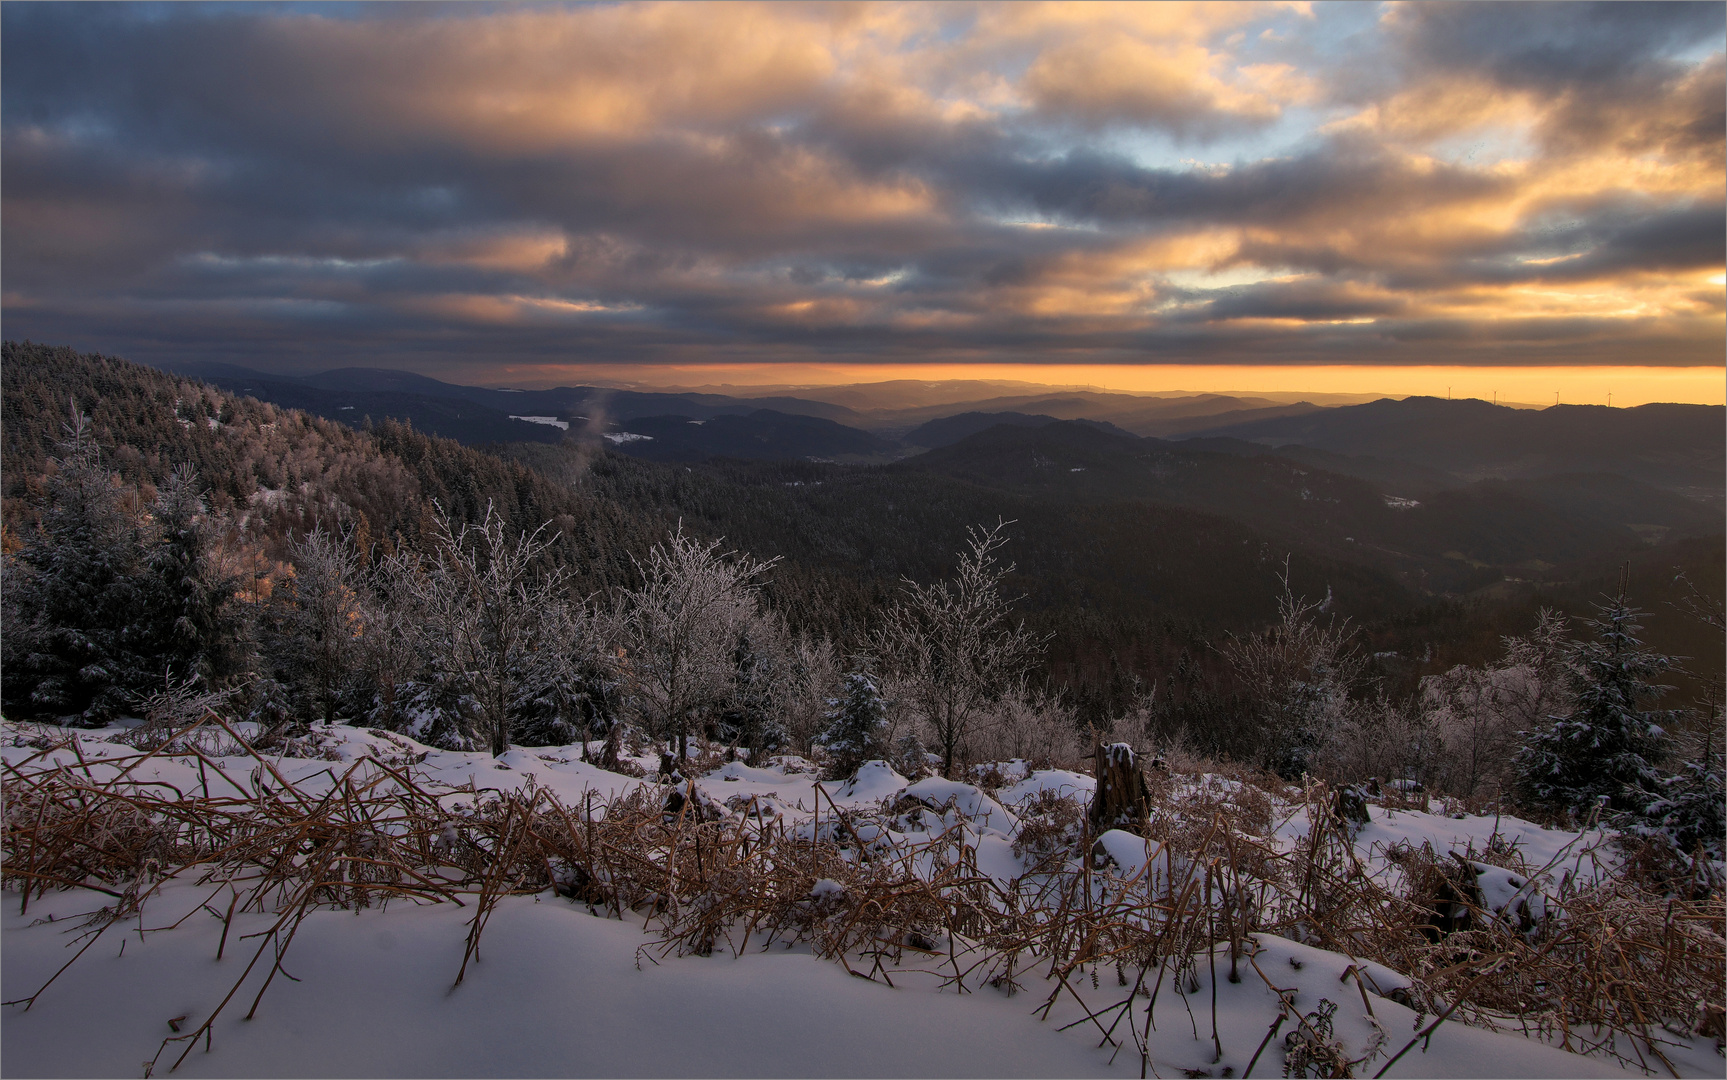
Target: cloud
{"type": "Point", "coordinates": [1129, 82]}
{"type": "Point", "coordinates": [650, 182]}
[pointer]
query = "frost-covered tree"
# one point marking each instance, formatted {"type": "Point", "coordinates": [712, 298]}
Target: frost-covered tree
{"type": "Point", "coordinates": [812, 678]}
{"type": "Point", "coordinates": [482, 602]}
{"type": "Point", "coordinates": [1035, 726]}
{"type": "Point", "coordinates": [679, 627]}
{"type": "Point", "coordinates": [592, 672]}
{"type": "Point", "coordinates": [1478, 712]}
{"type": "Point", "coordinates": [545, 709]}
{"type": "Point", "coordinates": [388, 669]}
{"type": "Point", "coordinates": [1298, 673]}
{"type": "Point", "coordinates": [857, 725]}
{"type": "Point", "coordinates": [1383, 738]}
{"type": "Point", "coordinates": [950, 647]}
{"type": "Point", "coordinates": [313, 625]}
{"type": "Point", "coordinates": [1605, 748]}
{"type": "Point", "coordinates": [750, 714]}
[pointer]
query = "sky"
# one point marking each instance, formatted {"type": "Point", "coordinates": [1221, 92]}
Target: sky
{"type": "Point", "coordinates": [1397, 195]}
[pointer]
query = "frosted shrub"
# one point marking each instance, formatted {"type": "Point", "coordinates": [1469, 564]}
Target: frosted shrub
{"type": "Point", "coordinates": [679, 628]}
{"type": "Point", "coordinates": [1298, 674]}
{"type": "Point", "coordinates": [1380, 738]}
{"type": "Point", "coordinates": [487, 621]}
{"type": "Point", "coordinates": [812, 677]}
{"type": "Point", "coordinates": [952, 648]}
{"type": "Point", "coordinates": [1036, 727]}
{"type": "Point", "coordinates": [1478, 712]}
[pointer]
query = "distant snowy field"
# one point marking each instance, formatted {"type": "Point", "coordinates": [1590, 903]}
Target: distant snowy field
{"type": "Point", "coordinates": [559, 991]}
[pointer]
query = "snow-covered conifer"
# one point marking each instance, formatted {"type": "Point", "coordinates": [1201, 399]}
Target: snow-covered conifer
{"type": "Point", "coordinates": [750, 716]}
{"type": "Point", "coordinates": [1689, 809]}
{"type": "Point", "coordinates": [200, 633]}
{"type": "Point", "coordinates": [1604, 749]}
{"type": "Point", "coordinates": [857, 725]}
{"type": "Point", "coordinates": [79, 624]}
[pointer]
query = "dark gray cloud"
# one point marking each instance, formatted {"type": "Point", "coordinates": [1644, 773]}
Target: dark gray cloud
{"type": "Point", "coordinates": [313, 186]}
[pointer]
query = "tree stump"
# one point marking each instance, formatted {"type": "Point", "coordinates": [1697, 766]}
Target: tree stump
{"type": "Point", "coordinates": [1349, 807]}
{"type": "Point", "coordinates": [1122, 800]}
{"type": "Point", "coordinates": [613, 745]}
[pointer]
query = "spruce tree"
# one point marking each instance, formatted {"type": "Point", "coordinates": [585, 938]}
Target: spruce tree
{"type": "Point", "coordinates": [857, 725]}
{"type": "Point", "coordinates": [1689, 809]}
{"type": "Point", "coordinates": [1604, 749]}
{"type": "Point", "coordinates": [78, 625]}
{"type": "Point", "coordinates": [748, 717]}
{"type": "Point", "coordinates": [199, 631]}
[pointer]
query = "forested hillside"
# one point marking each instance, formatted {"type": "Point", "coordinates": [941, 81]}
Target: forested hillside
{"type": "Point", "coordinates": [1134, 561]}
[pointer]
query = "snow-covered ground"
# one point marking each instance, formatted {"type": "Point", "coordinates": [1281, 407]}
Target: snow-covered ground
{"type": "Point", "coordinates": [561, 991]}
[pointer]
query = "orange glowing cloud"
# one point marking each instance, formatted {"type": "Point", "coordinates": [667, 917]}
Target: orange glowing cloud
{"type": "Point", "coordinates": [1119, 185]}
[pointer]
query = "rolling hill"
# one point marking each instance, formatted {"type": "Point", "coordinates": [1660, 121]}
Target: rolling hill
{"type": "Point", "coordinates": [1678, 447]}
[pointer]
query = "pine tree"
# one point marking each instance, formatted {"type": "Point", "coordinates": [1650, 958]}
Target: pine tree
{"type": "Point", "coordinates": [749, 718]}
{"type": "Point", "coordinates": [1603, 750]}
{"type": "Point", "coordinates": [1689, 809]}
{"type": "Point", "coordinates": [857, 725]}
{"type": "Point", "coordinates": [78, 628]}
{"type": "Point", "coordinates": [312, 626]}
{"type": "Point", "coordinates": [199, 633]}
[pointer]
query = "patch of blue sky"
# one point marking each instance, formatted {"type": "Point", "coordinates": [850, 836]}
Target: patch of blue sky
{"type": "Point", "coordinates": [235, 263]}
{"type": "Point", "coordinates": [1150, 148]}
{"type": "Point", "coordinates": [352, 10]}
{"type": "Point", "coordinates": [86, 126]}
{"type": "Point", "coordinates": [1312, 39]}
{"type": "Point", "coordinates": [1028, 219]}
{"type": "Point", "coordinates": [1485, 147]}
{"type": "Point", "coordinates": [289, 307]}
{"type": "Point", "coordinates": [1200, 279]}
{"type": "Point", "coordinates": [1699, 52]}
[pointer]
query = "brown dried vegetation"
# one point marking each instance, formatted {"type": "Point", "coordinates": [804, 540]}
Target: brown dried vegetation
{"type": "Point", "coordinates": [1625, 961]}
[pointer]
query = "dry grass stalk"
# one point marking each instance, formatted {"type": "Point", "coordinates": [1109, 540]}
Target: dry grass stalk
{"type": "Point", "coordinates": [1623, 966]}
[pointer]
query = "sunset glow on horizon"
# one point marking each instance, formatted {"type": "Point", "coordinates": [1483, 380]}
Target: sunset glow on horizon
{"type": "Point", "coordinates": [1522, 386]}
{"type": "Point", "coordinates": [1399, 198]}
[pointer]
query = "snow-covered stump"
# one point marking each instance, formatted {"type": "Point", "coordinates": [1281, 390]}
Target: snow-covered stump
{"type": "Point", "coordinates": [1349, 807]}
{"type": "Point", "coordinates": [1122, 800]}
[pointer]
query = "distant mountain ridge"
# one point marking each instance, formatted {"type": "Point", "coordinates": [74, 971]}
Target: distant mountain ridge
{"type": "Point", "coordinates": [1155, 416]}
{"type": "Point", "coordinates": [763, 435]}
{"type": "Point", "coordinates": [951, 429]}
{"type": "Point", "coordinates": [1416, 446]}
{"type": "Point", "coordinates": [1678, 447]}
{"type": "Point", "coordinates": [349, 394]}
{"type": "Point", "coordinates": [1453, 538]}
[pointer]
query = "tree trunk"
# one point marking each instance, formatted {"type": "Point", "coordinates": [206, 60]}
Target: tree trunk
{"type": "Point", "coordinates": [609, 751]}
{"type": "Point", "coordinates": [1122, 799]}
{"type": "Point", "coordinates": [500, 726]}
